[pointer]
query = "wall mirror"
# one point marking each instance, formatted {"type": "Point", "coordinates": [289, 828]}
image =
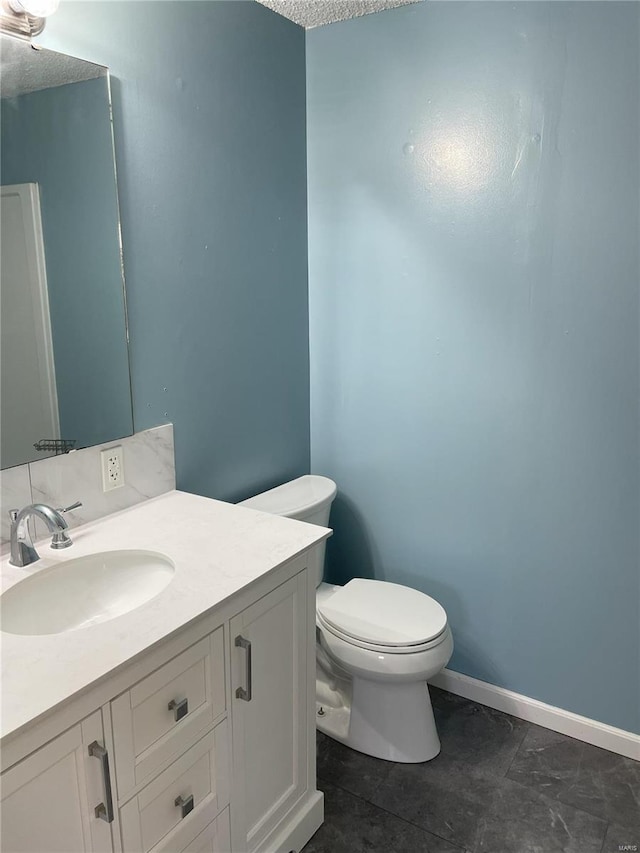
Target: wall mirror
{"type": "Point", "coordinates": [64, 356]}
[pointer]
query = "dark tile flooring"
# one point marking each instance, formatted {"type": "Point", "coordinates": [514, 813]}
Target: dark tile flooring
{"type": "Point", "coordinates": [499, 785]}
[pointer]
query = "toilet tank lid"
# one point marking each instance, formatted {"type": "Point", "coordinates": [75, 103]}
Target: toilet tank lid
{"type": "Point", "coordinates": [293, 498]}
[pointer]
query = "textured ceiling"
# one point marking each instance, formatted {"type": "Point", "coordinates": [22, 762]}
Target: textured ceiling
{"type": "Point", "coordinates": [23, 69]}
{"type": "Point", "coordinates": [315, 13]}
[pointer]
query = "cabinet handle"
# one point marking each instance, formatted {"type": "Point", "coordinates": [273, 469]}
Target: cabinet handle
{"type": "Point", "coordinates": [185, 804]}
{"type": "Point", "coordinates": [180, 708]}
{"type": "Point", "coordinates": [104, 811]}
{"type": "Point", "coordinates": [242, 692]}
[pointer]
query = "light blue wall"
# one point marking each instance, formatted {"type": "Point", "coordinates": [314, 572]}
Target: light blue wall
{"type": "Point", "coordinates": [473, 260]}
{"type": "Point", "coordinates": [61, 139]}
{"type": "Point", "coordinates": [209, 102]}
{"type": "Point", "coordinates": [473, 255]}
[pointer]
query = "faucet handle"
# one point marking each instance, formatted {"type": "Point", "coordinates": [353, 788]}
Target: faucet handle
{"type": "Point", "coordinates": [69, 508]}
{"type": "Point", "coordinates": [61, 538]}
{"type": "Point", "coordinates": [13, 515]}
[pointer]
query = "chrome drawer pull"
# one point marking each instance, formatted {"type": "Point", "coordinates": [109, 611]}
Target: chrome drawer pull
{"type": "Point", "coordinates": [104, 811]}
{"type": "Point", "coordinates": [180, 708]}
{"type": "Point", "coordinates": [185, 804]}
{"type": "Point", "coordinates": [245, 692]}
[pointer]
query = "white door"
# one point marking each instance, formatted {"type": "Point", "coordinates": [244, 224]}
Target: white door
{"type": "Point", "coordinates": [269, 711]}
{"type": "Point", "coordinates": [29, 405]}
{"type": "Point", "coordinates": [49, 799]}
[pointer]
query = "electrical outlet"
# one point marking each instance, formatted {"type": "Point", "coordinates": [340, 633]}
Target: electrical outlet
{"type": "Point", "coordinates": [112, 468]}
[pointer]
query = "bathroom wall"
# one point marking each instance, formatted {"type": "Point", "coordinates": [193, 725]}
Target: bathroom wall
{"type": "Point", "coordinates": [149, 471]}
{"type": "Point", "coordinates": [473, 261]}
{"type": "Point", "coordinates": [209, 110]}
{"type": "Point", "coordinates": [60, 138]}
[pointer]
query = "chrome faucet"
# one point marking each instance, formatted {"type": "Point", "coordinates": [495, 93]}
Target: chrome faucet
{"type": "Point", "coordinates": [22, 551]}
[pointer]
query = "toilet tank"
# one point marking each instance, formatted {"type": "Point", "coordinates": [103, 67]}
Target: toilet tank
{"type": "Point", "coordinates": [308, 498]}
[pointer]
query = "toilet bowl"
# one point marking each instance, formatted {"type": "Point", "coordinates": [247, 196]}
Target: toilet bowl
{"type": "Point", "coordinates": [377, 643]}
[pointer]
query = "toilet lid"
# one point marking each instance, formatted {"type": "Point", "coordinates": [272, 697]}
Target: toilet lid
{"type": "Point", "coordinates": [385, 614]}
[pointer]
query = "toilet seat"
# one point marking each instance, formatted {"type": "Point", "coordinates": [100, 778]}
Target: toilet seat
{"type": "Point", "coordinates": [399, 665]}
{"type": "Point", "coordinates": [384, 617]}
{"type": "Point", "coordinates": [379, 648]}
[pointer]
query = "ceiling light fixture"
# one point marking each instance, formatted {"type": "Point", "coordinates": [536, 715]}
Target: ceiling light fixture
{"type": "Point", "coordinates": [25, 18]}
{"type": "Point", "coordinates": [34, 8]}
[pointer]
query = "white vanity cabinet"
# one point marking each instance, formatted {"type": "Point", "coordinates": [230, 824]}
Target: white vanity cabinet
{"type": "Point", "coordinates": [55, 800]}
{"type": "Point", "coordinates": [210, 738]}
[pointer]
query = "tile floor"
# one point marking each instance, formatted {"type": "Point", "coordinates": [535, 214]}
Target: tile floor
{"type": "Point", "coordinates": [499, 785]}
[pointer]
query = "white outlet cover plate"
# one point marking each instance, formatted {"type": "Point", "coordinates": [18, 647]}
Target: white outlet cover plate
{"type": "Point", "coordinates": [112, 464]}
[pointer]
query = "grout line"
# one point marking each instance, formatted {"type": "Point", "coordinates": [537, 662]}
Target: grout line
{"type": "Point", "coordinates": [559, 796]}
{"type": "Point", "coordinates": [393, 814]}
{"type": "Point", "coordinates": [421, 828]}
{"type": "Point", "coordinates": [527, 729]}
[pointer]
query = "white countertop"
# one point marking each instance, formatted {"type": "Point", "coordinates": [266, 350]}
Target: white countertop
{"type": "Point", "coordinates": [217, 548]}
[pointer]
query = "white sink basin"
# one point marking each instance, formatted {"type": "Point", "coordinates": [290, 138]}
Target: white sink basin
{"type": "Point", "coordinates": [83, 592]}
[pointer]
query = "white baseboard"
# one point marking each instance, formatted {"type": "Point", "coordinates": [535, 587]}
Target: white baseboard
{"type": "Point", "coordinates": [547, 716]}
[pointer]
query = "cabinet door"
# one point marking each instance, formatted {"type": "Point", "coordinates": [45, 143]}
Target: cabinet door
{"type": "Point", "coordinates": [269, 711]}
{"type": "Point", "coordinates": [49, 799]}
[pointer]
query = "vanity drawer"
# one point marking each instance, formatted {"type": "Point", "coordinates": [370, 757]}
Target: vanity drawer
{"type": "Point", "coordinates": [216, 838]}
{"type": "Point", "coordinates": [164, 713]}
{"type": "Point", "coordinates": [178, 806]}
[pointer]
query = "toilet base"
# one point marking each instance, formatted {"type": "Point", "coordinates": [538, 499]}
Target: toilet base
{"type": "Point", "coordinates": [387, 720]}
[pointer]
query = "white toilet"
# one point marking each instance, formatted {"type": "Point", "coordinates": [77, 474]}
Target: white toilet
{"type": "Point", "coordinates": [377, 644]}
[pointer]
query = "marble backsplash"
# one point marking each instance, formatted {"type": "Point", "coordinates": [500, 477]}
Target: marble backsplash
{"type": "Point", "coordinates": [149, 470]}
